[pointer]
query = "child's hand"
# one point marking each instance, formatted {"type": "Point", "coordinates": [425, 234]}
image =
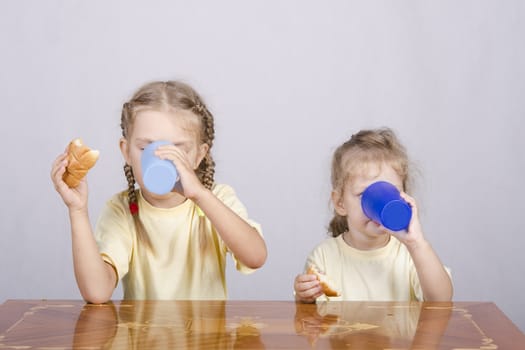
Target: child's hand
{"type": "Point", "coordinates": [414, 233]}
{"type": "Point", "coordinates": [74, 198]}
{"type": "Point", "coordinates": [307, 288]}
{"type": "Point", "coordinates": [190, 185]}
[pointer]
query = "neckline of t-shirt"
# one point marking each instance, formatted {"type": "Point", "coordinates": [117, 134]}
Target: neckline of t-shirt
{"type": "Point", "coordinates": [146, 206]}
{"type": "Point", "coordinates": [366, 254]}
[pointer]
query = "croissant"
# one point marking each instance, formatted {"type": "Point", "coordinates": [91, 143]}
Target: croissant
{"type": "Point", "coordinates": [80, 159]}
{"type": "Point", "coordinates": [326, 283]}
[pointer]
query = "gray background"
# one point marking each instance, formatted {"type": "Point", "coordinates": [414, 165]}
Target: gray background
{"type": "Point", "coordinates": [287, 81]}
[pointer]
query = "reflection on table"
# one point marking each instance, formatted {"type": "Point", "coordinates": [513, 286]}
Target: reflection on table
{"type": "Point", "coordinates": [33, 324]}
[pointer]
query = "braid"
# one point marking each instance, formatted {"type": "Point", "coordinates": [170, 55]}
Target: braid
{"type": "Point", "coordinates": [132, 195]}
{"type": "Point", "coordinates": [206, 170]}
{"type": "Point", "coordinates": [169, 96]}
{"type": "Point", "coordinates": [142, 235]}
{"type": "Point", "coordinates": [209, 127]}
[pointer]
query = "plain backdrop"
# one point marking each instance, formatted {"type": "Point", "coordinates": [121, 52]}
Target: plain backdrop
{"type": "Point", "coordinates": [287, 81]}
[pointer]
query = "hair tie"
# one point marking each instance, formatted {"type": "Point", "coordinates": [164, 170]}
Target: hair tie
{"type": "Point", "coordinates": [133, 208]}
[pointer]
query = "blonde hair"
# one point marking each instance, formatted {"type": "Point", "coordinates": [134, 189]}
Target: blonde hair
{"type": "Point", "coordinates": [374, 146]}
{"type": "Point", "coordinates": [171, 96]}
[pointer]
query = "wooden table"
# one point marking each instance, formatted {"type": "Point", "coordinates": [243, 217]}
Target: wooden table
{"type": "Point", "coordinates": [66, 324]}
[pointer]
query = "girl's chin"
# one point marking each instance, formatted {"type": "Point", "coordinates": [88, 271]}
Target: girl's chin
{"type": "Point", "coordinates": [170, 196]}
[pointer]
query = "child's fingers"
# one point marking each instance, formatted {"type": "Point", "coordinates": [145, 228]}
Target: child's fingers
{"type": "Point", "coordinates": [306, 277]}
{"type": "Point", "coordinates": [59, 161]}
{"type": "Point", "coordinates": [306, 281]}
{"type": "Point", "coordinates": [310, 294]}
{"type": "Point", "coordinates": [58, 169]}
{"type": "Point", "coordinates": [307, 287]}
{"type": "Point", "coordinates": [411, 201]}
{"type": "Point", "coordinates": [189, 183]}
{"type": "Point", "coordinates": [175, 154]}
{"type": "Point", "coordinates": [181, 161]}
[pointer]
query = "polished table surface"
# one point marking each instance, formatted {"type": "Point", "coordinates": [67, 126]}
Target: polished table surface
{"type": "Point", "coordinates": [73, 324]}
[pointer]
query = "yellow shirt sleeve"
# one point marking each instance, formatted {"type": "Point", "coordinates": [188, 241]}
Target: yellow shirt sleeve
{"type": "Point", "coordinates": [115, 233]}
{"type": "Point", "coordinates": [227, 195]}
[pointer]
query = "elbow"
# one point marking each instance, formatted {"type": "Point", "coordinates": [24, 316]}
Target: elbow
{"type": "Point", "coordinates": [444, 296]}
{"type": "Point", "coordinates": [450, 294]}
{"type": "Point", "coordinates": [95, 297]}
{"type": "Point", "coordinates": [257, 263]}
{"type": "Point", "coordinates": [447, 298]}
{"type": "Point", "coordinates": [257, 257]}
{"type": "Point", "coordinates": [257, 260]}
{"type": "Point", "coordinates": [98, 290]}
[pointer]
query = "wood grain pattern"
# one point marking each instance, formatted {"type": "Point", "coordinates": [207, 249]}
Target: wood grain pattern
{"type": "Point", "coordinates": [66, 324]}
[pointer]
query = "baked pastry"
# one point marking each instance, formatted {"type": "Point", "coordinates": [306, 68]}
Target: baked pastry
{"type": "Point", "coordinates": [80, 159]}
{"type": "Point", "coordinates": [326, 283]}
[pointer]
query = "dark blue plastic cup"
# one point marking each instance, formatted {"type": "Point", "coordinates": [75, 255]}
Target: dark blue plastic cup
{"type": "Point", "coordinates": [158, 175]}
{"type": "Point", "coordinates": [382, 203]}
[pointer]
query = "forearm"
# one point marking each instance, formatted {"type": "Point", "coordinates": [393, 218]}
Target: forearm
{"type": "Point", "coordinates": [96, 279]}
{"type": "Point", "coordinates": [435, 281]}
{"type": "Point", "coordinates": [242, 239]}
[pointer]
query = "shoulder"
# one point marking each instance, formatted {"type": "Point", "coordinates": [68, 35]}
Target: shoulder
{"type": "Point", "coordinates": [119, 199]}
{"type": "Point", "coordinates": [223, 190]}
{"type": "Point", "coordinates": [329, 244]}
{"type": "Point", "coordinates": [117, 203]}
{"type": "Point", "coordinates": [398, 252]}
{"type": "Point", "coordinates": [323, 253]}
{"type": "Point", "coordinates": [115, 215]}
{"type": "Point", "coordinates": [396, 247]}
{"type": "Point", "coordinates": [226, 194]}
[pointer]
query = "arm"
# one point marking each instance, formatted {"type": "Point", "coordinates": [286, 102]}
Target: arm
{"type": "Point", "coordinates": [96, 279]}
{"type": "Point", "coordinates": [242, 239]}
{"type": "Point", "coordinates": [434, 280]}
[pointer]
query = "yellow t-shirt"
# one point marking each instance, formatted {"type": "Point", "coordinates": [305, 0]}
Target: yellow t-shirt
{"type": "Point", "coordinates": [187, 264]}
{"type": "Point", "coordinates": [384, 274]}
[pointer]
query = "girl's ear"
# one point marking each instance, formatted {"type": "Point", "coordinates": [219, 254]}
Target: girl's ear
{"type": "Point", "coordinates": [337, 201]}
{"type": "Point", "coordinates": [123, 143]}
{"type": "Point", "coordinates": [201, 153]}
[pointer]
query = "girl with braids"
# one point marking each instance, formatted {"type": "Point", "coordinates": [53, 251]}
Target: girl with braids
{"type": "Point", "coordinates": [171, 246]}
{"type": "Point", "coordinates": [364, 260]}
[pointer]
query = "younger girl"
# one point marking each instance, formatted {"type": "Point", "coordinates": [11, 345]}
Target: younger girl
{"type": "Point", "coordinates": [170, 246]}
{"type": "Point", "coordinates": [365, 260]}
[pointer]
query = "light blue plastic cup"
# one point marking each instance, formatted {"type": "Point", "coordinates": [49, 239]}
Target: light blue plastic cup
{"type": "Point", "coordinates": [382, 203]}
{"type": "Point", "coordinates": [158, 175]}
